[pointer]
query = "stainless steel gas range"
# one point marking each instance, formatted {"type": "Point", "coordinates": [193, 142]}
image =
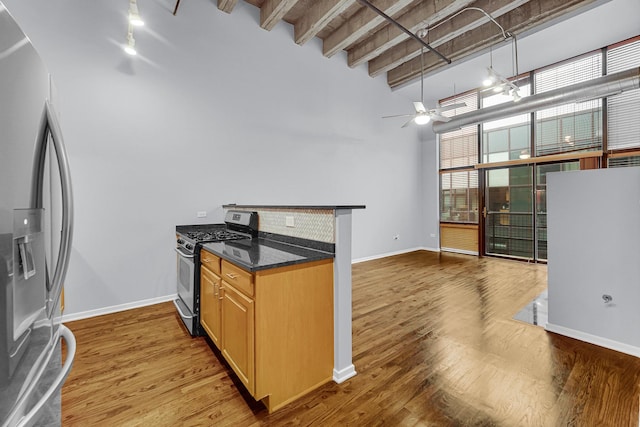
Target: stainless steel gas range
{"type": "Point", "coordinates": [237, 225]}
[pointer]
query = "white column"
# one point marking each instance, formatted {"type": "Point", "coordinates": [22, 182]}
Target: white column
{"type": "Point", "coordinates": [343, 368]}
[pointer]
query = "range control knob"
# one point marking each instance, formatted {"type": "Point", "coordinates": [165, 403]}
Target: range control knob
{"type": "Point", "coordinates": [189, 246]}
{"type": "Point", "coordinates": [180, 241]}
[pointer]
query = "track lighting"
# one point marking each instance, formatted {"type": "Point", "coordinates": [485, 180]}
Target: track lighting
{"type": "Point", "coordinates": [134, 21]}
{"type": "Point", "coordinates": [491, 78]}
{"type": "Point", "coordinates": [501, 85]}
{"type": "Point", "coordinates": [130, 47]}
{"type": "Point", "coordinates": [134, 16]}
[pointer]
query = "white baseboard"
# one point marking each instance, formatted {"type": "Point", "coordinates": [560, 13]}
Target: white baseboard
{"type": "Point", "coordinates": [116, 308]}
{"type": "Point", "coordinates": [344, 374]}
{"type": "Point", "coordinates": [403, 251]}
{"type": "Point", "coordinates": [460, 251]}
{"type": "Point", "coordinates": [594, 339]}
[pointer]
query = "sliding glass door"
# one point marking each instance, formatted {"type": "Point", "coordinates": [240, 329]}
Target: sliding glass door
{"type": "Point", "coordinates": [509, 212]}
{"type": "Point", "coordinates": [516, 215]}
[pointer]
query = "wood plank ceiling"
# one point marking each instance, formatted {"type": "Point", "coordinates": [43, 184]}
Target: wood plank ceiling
{"type": "Point", "coordinates": [368, 37]}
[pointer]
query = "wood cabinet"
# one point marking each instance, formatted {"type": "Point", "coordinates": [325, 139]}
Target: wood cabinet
{"type": "Point", "coordinates": [238, 335]}
{"type": "Point", "coordinates": [210, 303]}
{"type": "Point", "coordinates": [276, 327]}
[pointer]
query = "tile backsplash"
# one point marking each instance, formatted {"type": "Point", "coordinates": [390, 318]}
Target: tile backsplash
{"type": "Point", "coordinates": [312, 224]}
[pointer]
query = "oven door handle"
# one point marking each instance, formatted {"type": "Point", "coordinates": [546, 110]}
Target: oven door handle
{"type": "Point", "coordinates": [177, 304]}
{"type": "Point", "coordinates": [183, 255]}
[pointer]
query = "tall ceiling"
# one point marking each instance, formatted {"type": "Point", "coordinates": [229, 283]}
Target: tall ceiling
{"type": "Point", "coordinates": [456, 28]}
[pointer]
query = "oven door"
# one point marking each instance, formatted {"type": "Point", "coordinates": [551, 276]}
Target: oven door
{"type": "Point", "coordinates": [185, 303]}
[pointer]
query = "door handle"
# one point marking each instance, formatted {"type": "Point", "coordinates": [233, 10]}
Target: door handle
{"type": "Point", "coordinates": [182, 254]}
{"type": "Point", "coordinates": [49, 126]}
{"type": "Point", "coordinates": [177, 304]}
{"type": "Point", "coordinates": [484, 211]}
{"type": "Point", "coordinates": [32, 416]}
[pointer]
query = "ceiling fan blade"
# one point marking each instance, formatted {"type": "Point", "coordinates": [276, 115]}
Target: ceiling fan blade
{"type": "Point", "coordinates": [408, 123]}
{"type": "Point", "coordinates": [419, 106]}
{"type": "Point", "coordinates": [398, 115]}
{"type": "Point", "coordinates": [451, 107]}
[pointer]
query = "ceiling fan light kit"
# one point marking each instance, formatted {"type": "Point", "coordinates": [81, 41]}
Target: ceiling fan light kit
{"type": "Point", "coordinates": [422, 119]}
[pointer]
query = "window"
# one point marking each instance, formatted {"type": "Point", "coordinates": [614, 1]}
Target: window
{"type": "Point", "coordinates": [459, 196]}
{"type": "Point", "coordinates": [623, 161]}
{"type": "Point", "coordinates": [623, 122]}
{"type": "Point", "coordinates": [508, 138]}
{"type": "Point", "coordinates": [570, 127]}
{"type": "Point", "coordinates": [511, 177]}
{"type": "Point", "coordinates": [458, 154]}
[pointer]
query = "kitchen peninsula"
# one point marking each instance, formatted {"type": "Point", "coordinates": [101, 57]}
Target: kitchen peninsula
{"type": "Point", "coordinates": [329, 224]}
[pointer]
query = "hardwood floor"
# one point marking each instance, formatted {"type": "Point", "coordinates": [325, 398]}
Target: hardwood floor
{"type": "Point", "coordinates": [434, 344]}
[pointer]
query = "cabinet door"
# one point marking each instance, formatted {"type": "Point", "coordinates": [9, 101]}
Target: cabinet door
{"type": "Point", "coordinates": [238, 334]}
{"type": "Point", "coordinates": [210, 303]}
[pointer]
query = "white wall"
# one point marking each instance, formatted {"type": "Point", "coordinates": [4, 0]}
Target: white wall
{"type": "Point", "coordinates": [213, 110]}
{"type": "Point", "coordinates": [594, 247]}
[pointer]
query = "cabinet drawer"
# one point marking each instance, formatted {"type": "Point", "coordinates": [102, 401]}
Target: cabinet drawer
{"type": "Point", "coordinates": [237, 277]}
{"type": "Point", "coordinates": [211, 261]}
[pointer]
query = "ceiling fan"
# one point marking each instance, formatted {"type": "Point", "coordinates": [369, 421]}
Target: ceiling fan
{"type": "Point", "coordinates": [422, 116]}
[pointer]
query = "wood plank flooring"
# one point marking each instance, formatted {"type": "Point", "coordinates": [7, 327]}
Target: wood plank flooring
{"type": "Point", "coordinates": [434, 344]}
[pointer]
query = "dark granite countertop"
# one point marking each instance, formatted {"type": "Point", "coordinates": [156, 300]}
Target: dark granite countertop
{"type": "Point", "coordinates": [262, 254]}
{"type": "Point", "coordinates": [329, 207]}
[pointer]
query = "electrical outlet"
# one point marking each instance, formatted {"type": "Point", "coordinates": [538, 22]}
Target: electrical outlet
{"type": "Point", "coordinates": [432, 234]}
{"type": "Point", "coordinates": [289, 221]}
{"type": "Point", "coordinates": [201, 214]}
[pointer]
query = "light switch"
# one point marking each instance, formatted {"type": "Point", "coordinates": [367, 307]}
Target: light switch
{"type": "Point", "coordinates": [289, 221]}
{"type": "Point", "coordinates": [201, 214]}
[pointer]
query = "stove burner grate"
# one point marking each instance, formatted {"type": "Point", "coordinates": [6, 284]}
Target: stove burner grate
{"type": "Point", "coordinates": [200, 236]}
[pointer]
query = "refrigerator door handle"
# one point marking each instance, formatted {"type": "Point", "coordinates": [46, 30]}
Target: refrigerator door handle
{"type": "Point", "coordinates": [49, 125]}
{"type": "Point", "coordinates": [32, 416]}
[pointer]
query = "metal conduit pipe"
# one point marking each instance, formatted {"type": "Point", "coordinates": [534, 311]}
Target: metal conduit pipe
{"type": "Point", "coordinates": [611, 84]}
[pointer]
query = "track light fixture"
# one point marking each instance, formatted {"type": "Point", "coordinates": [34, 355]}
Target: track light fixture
{"type": "Point", "coordinates": [134, 16]}
{"type": "Point", "coordinates": [130, 47]}
{"type": "Point", "coordinates": [501, 84]}
{"type": "Point", "coordinates": [134, 21]}
{"type": "Point", "coordinates": [493, 77]}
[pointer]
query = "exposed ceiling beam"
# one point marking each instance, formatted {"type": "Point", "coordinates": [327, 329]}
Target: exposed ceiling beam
{"type": "Point", "coordinates": [227, 5]}
{"type": "Point", "coordinates": [361, 23]}
{"type": "Point", "coordinates": [413, 20]}
{"type": "Point", "coordinates": [318, 16]}
{"type": "Point", "coordinates": [272, 12]}
{"type": "Point", "coordinates": [449, 30]}
{"type": "Point", "coordinates": [395, 23]}
{"type": "Point", "coordinates": [524, 18]}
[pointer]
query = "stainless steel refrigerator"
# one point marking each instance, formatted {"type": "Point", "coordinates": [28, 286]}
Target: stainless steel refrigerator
{"type": "Point", "coordinates": [36, 216]}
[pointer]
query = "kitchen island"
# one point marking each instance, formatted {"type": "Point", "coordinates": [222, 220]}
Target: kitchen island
{"type": "Point", "coordinates": [324, 223]}
{"type": "Point", "coordinates": [268, 307]}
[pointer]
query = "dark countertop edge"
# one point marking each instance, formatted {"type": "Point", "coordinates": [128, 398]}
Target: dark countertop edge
{"type": "Point", "coordinates": [323, 207]}
{"type": "Point", "coordinates": [318, 256]}
{"type": "Point", "coordinates": [297, 241]}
